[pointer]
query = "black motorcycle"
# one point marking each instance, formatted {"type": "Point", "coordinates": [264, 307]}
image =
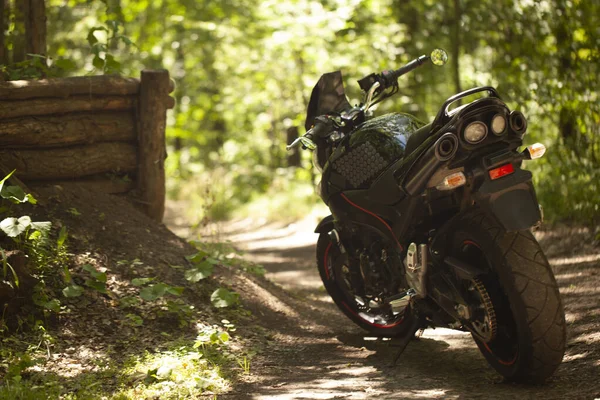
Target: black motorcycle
{"type": "Point", "coordinates": [430, 224]}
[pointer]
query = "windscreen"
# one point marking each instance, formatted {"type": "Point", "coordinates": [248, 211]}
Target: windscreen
{"type": "Point", "coordinates": [327, 97]}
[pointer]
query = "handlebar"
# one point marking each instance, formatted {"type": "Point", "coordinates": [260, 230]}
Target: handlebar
{"type": "Point", "coordinates": [388, 78]}
{"type": "Point", "coordinates": [392, 76]}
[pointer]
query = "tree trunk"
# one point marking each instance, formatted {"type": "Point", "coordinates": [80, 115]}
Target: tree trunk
{"type": "Point", "coordinates": [293, 157]}
{"type": "Point", "coordinates": [19, 41]}
{"type": "Point", "coordinates": [3, 13]}
{"type": "Point", "coordinates": [71, 162]}
{"type": "Point", "coordinates": [456, 46]}
{"type": "Point", "coordinates": [15, 109]}
{"type": "Point", "coordinates": [70, 129]}
{"type": "Point", "coordinates": [154, 92]}
{"type": "Point", "coordinates": [35, 27]}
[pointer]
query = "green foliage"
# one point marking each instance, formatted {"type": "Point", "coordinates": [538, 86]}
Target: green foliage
{"type": "Point", "coordinates": [222, 298]}
{"type": "Point", "coordinates": [224, 253]}
{"type": "Point", "coordinates": [244, 71]}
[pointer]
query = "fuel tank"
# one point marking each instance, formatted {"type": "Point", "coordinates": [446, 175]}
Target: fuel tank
{"type": "Point", "coordinates": [368, 151]}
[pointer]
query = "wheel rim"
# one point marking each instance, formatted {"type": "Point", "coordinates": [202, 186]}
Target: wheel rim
{"type": "Point", "coordinates": [336, 276]}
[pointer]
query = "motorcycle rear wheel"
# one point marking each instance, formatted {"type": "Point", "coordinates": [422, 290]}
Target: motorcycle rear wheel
{"type": "Point", "coordinates": [382, 325]}
{"type": "Point", "coordinates": [530, 341]}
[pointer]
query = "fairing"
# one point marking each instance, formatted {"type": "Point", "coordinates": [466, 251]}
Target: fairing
{"type": "Point", "coordinates": [327, 97]}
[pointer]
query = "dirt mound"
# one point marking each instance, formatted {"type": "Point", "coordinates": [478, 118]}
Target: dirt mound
{"type": "Point", "coordinates": [124, 298]}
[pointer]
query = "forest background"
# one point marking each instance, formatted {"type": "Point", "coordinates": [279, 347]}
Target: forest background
{"type": "Point", "coordinates": [244, 70]}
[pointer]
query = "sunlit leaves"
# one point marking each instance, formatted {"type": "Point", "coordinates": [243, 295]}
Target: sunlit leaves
{"type": "Point", "coordinates": [222, 298]}
{"type": "Point", "coordinates": [156, 291]}
{"type": "Point", "coordinates": [73, 291]}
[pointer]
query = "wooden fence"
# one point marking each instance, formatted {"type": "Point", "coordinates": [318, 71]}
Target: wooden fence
{"type": "Point", "coordinates": [107, 133]}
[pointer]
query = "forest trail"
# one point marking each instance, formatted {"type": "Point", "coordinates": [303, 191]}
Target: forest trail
{"type": "Point", "coordinates": [315, 352]}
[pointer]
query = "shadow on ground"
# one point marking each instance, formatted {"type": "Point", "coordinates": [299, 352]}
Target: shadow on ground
{"type": "Point", "coordinates": [316, 353]}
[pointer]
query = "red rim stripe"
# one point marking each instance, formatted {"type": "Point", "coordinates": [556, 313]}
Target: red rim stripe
{"type": "Point", "coordinates": [508, 363]}
{"type": "Point", "coordinates": [376, 216]}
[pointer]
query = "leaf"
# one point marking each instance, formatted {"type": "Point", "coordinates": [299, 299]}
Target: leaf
{"type": "Point", "coordinates": [126, 40]}
{"type": "Point", "coordinates": [224, 337]}
{"type": "Point", "coordinates": [99, 276]}
{"type": "Point", "coordinates": [13, 227]}
{"type": "Point", "coordinates": [197, 258]}
{"type": "Point", "coordinates": [73, 291]}
{"type": "Point", "coordinates": [62, 237]}
{"type": "Point", "coordinates": [5, 178]}
{"type": "Point", "coordinates": [14, 194]}
{"type": "Point", "coordinates": [141, 281]}
{"type": "Point", "coordinates": [153, 292]}
{"type": "Point", "coordinates": [52, 305]}
{"type": "Point", "coordinates": [129, 301]}
{"type": "Point", "coordinates": [67, 274]}
{"type": "Point", "coordinates": [98, 62]}
{"type": "Point", "coordinates": [135, 320]}
{"type": "Point", "coordinates": [222, 298]}
{"type": "Point", "coordinates": [199, 272]}
{"type": "Point", "coordinates": [111, 65]}
{"type": "Point", "coordinates": [175, 290]}
{"type": "Point", "coordinates": [91, 38]}
{"type": "Point", "coordinates": [42, 226]}
{"type": "Point", "coordinates": [73, 211]}
{"type": "Point", "coordinates": [96, 285]}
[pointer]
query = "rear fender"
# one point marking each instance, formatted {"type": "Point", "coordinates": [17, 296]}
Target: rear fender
{"type": "Point", "coordinates": [511, 200]}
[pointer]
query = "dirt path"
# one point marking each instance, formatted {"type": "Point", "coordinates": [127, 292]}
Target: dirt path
{"type": "Point", "coordinates": [314, 352]}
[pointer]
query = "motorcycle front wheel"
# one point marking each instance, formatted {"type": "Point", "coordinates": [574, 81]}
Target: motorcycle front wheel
{"type": "Point", "coordinates": [522, 330]}
{"type": "Point", "coordinates": [378, 322]}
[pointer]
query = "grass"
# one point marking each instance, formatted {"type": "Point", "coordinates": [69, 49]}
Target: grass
{"type": "Point", "coordinates": [183, 370]}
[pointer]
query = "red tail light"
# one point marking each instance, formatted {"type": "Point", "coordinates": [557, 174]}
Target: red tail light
{"type": "Point", "coordinates": [499, 172]}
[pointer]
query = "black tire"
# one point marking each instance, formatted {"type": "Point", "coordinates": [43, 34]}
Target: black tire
{"type": "Point", "coordinates": [530, 343]}
{"type": "Point", "coordinates": [326, 253]}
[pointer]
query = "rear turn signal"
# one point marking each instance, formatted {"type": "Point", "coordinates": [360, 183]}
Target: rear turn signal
{"type": "Point", "coordinates": [536, 150]}
{"type": "Point", "coordinates": [452, 181]}
{"type": "Point", "coordinates": [499, 172]}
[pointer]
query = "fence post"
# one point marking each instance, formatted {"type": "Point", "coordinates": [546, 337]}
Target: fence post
{"type": "Point", "coordinates": [153, 104]}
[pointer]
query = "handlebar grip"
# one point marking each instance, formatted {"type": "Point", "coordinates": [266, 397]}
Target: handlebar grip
{"type": "Point", "coordinates": [391, 77]}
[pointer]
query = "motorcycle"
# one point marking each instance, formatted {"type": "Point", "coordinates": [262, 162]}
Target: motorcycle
{"type": "Point", "coordinates": [430, 223]}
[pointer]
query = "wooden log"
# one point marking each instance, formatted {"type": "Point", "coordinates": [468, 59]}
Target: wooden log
{"type": "Point", "coordinates": [70, 129]}
{"type": "Point", "coordinates": [64, 87]}
{"type": "Point", "coordinates": [15, 109]}
{"type": "Point", "coordinates": [35, 27]}
{"type": "Point", "coordinates": [98, 183]}
{"type": "Point", "coordinates": [72, 162]}
{"type": "Point", "coordinates": [154, 91]}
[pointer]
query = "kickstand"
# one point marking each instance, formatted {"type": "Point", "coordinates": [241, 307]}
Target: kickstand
{"type": "Point", "coordinates": [404, 340]}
